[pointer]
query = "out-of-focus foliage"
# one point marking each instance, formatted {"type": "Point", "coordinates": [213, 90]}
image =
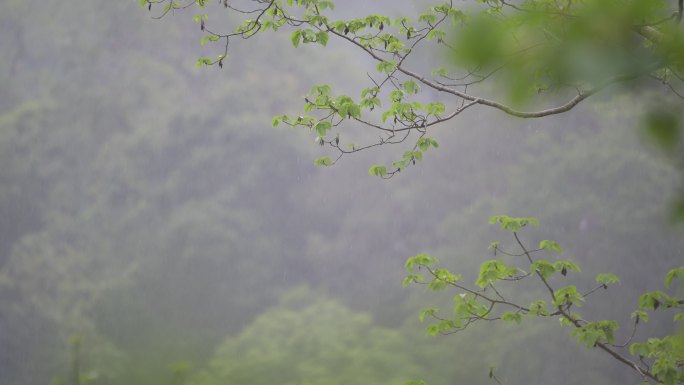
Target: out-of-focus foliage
{"type": "Point", "coordinates": [544, 45]}
{"type": "Point", "coordinates": [311, 339]}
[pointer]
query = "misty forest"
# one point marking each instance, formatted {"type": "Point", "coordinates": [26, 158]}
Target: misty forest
{"type": "Point", "coordinates": [314, 192]}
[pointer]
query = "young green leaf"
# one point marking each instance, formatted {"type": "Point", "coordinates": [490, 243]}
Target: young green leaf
{"type": "Point", "coordinates": [550, 246]}
{"type": "Point", "coordinates": [380, 171]}
{"type": "Point", "coordinates": [296, 37]}
{"type": "Point", "coordinates": [411, 87]}
{"type": "Point", "coordinates": [419, 260]}
{"type": "Point", "coordinates": [568, 295]}
{"type": "Point", "coordinates": [673, 274]}
{"type": "Point", "coordinates": [322, 38]}
{"type": "Point", "coordinates": [510, 316]}
{"type": "Point", "coordinates": [440, 71]}
{"type": "Point", "coordinates": [435, 108]}
{"type": "Point", "coordinates": [386, 66]}
{"type": "Point", "coordinates": [639, 315]}
{"type": "Point", "coordinates": [652, 300]}
{"type": "Point", "coordinates": [538, 308]}
{"type": "Point", "coordinates": [607, 278]}
{"type": "Point", "coordinates": [544, 268]}
{"type": "Point", "coordinates": [322, 127]}
{"type": "Point", "coordinates": [565, 266]}
{"type": "Point", "coordinates": [324, 161]}
{"type": "Point", "coordinates": [513, 224]}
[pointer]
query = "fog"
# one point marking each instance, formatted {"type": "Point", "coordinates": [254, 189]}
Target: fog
{"type": "Point", "coordinates": [155, 229]}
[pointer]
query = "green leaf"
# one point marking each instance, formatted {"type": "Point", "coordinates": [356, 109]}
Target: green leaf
{"type": "Point", "coordinates": [639, 315]}
{"type": "Point", "coordinates": [425, 143]}
{"type": "Point", "coordinates": [595, 332]}
{"type": "Point", "coordinates": [587, 337]}
{"type": "Point", "coordinates": [411, 87]}
{"type": "Point", "coordinates": [370, 103]}
{"type": "Point", "coordinates": [435, 108]}
{"type": "Point", "coordinates": [510, 316]}
{"type": "Point", "coordinates": [322, 38]}
{"type": "Point", "coordinates": [407, 281]}
{"type": "Point", "coordinates": [440, 71]}
{"type": "Point", "coordinates": [436, 34]}
{"type": "Point", "coordinates": [565, 266]}
{"type": "Point", "coordinates": [652, 300]}
{"type": "Point", "coordinates": [323, 4]}
{"type": "Point", "coordinates": [432, 330]}
{"type": "Point", "coordinates": [430, 311]}
{"type": "Point", "coordinates": [203, 61]}
{"type": "Point", "coordinates": [567, 322]}
{"type": "Point", "coordinates": [513, 224]}
{"type": "Point", "coordinates": [419, 260]}
{"type": "Point", "coordinates": [380, 171]}
{"type": "Point", "coordinates": [196, 18]}
{"type": "Point", "coordinates": [568, 295]}
{"type": "Point", "coordinates": [446, 276]}
{"type": "Point", "coordinates": [544, 268]}
{"type": "Point", "coordinates": [411, 278]}
{"type": "Point", "coordinates": [322, 127]}
{"type": "Point", "coordinates": [427, 18]}
{"type": "Point", "coordinates": [386, 66]}
{"type": "Point", "coordinates": [607, 278]}
{"type": "Point", "coordinates": [492, 271]}
{"type": "Point", "coordinates": [550, 246]}
{"type": "Point", "coordinates": [467, 306]}
{"type": "Point", "coordinates": [642, 349]}
{"type": "Point", "coordinates": [673, 274]}
{"type": "Point", "coordinates": [456, 15]}
{"type": "Point", "coordinates": [206, 38]}
{"type": "Point", "coordinates": [538, 308]}
{"type": "Point", "coordinates": [296, 37]}
{"type": "Point", "coordinates": [324, 161]}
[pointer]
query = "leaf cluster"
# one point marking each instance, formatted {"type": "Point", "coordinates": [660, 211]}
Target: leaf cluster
{"type": "Point", "coordinates": [657, 360]}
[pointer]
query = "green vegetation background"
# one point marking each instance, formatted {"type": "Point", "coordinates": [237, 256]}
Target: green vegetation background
{"type": "Point", "coordinates": [150, 208]}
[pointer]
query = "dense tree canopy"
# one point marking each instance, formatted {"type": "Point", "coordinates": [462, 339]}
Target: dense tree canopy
{"type": "Point", "coordinates": [308, 339]}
